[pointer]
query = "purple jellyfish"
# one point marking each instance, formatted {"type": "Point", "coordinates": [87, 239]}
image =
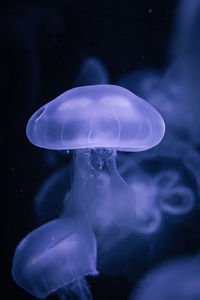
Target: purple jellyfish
{"type": "Point", "coordinates": [55, 258]}
{"type": "Point", "coordinates": [98, 120]}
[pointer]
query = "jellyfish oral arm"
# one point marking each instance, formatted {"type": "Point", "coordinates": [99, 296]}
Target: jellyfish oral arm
{"type": "Point", "coordinates": [84, 188]}
{"type": "Point", "coordinates": [121, 200]}
{"type": "Point", "coordinates": [81, 189]}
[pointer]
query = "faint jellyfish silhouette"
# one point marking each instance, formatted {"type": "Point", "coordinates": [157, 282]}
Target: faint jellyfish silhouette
{"type": "Point", "coordinates": [175, 279]}
{"type": "Point", "coordinates": [170, 165]}
{"type": "Point", "coordinates": [104, 118]}
{"type": "Point", "coordinates": [92, 71]}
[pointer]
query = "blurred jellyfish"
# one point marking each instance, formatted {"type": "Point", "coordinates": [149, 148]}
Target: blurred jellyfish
{"type": "Point", "coordinates": [166, 187]}
{"type": "Point", "coordinates": [173, 172]}
{"type": "Point", "coordinates": [105, 118]}
{"type": "Point", "coordinates": [92, 71]}
{"type": "Point", "coordinates": [55, 258]}
{"type": "Point", "coordinates": [175, 279]}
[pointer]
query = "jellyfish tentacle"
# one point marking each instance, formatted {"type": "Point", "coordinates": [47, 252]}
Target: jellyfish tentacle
{"type": "Point", "coordinates": [78, 289]}
{"type": "Point", "coordinates": [77, 194]}
{"type": "Point", "coordinates": [122, 209]}
{"type": "Point", "coordinates": [80, 190]}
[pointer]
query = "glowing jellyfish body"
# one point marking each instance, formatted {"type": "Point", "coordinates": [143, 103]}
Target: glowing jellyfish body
{"type": "Point", "coordinates": [100, 116]}
{"type": "Point", "coordinates": [176, 279]}
{"type": "Point", "coordinates": [53, 256]}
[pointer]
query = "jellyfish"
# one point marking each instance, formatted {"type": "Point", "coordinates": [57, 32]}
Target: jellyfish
{"type": "Point", "coordinates": [174, 279]}
{"type": "Point", "coordinates": [55, 258]}
{"type": "Point", "coordinates": [98, 120]}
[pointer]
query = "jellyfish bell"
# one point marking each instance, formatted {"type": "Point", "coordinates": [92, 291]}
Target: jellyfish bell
{"type": "Point", "coordinates": [105, 118]}
{"type": "Point", "coordinates": [54, 256]}
{"type": "Point", "coordinates": [97, 116]}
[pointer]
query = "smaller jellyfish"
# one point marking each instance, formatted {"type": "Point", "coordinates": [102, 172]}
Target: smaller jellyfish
{"type": "Point", "coordinates": [92, 71]}
{"type": "Point", "coordinates": [175, 279]}
{"type": "Point", "coordinates": [55, 258]}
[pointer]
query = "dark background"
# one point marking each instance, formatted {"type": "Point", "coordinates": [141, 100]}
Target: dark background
{"type": "Point", "coordinates": [42, 44]}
